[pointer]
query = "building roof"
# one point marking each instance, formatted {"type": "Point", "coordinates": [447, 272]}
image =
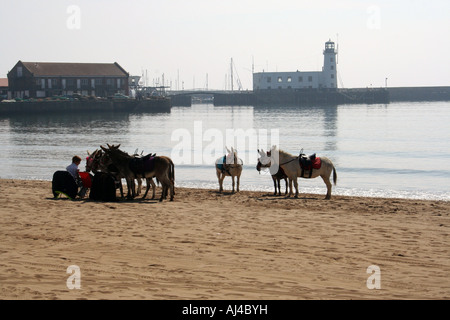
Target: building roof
{"type": "Point", "coordinates": [4, 82]}
{"type": "Point", "coordinates": [75, 69]}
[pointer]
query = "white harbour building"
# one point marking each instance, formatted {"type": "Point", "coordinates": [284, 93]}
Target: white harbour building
{"type": "Point", "coordinates": [295, 80]}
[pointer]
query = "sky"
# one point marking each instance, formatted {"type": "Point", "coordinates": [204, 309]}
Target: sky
{"type": "Point", "coordinates": [190, 43]}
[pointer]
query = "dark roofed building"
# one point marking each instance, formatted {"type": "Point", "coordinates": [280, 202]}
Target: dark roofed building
{"type": "Point", "coordinates": [46, 79]}
{"type": "Point", "coordinates": [3, 88]}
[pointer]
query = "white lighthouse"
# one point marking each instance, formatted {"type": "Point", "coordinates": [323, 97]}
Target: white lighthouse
{"type": "Point", "coordinates": [301, 80]}
{"type": "Point", "coordinates": [329, 71]}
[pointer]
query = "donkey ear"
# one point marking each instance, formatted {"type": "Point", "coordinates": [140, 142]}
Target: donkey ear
{"type": "Point", "coordinates": [103, 148]}
{"type": "Point", "coordinates": [88, 153]}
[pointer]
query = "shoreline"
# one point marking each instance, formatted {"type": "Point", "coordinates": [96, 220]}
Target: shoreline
{"type": "Point", "coordinates": [206, 245]}
{"type": "Point", "coordinates": [270, 190]}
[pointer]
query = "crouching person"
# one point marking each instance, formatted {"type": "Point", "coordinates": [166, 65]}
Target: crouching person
{"type": "Point", "coordinates": [74, 171]}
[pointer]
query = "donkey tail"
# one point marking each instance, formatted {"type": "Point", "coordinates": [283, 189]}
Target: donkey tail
{"type": "Point", "coordinates": [334, 175]}
{"type": "Point", "coordinates": [172, 175]}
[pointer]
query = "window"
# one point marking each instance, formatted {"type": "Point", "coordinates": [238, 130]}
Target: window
{"type": "Point", "coordinates": [332, 76]}
{"type": "Point", "coordinates": [331, 59]}
{"type": "Point", "coordinates": [280, 79]}
{"type": "Point", "coordinates": [19, 72]}
{"type": "Point", "coordinates": [332, 67]}
{"type": "Point", "coordinates": [84, 82]}
{"type": "Point", "coordinates": [269, 79]}
{"type": "Point", "coordinates": [54, 82]}
{"type": "Point", "coordinates": [98, 82]}
{"type": "Point", "coordinates": [110, 82]}
{"type": "Point", "coordinates": [289, 79]}
{"type": "Point", "coordinates": [310, 78]}
{"type": "Point", "coordinates": [300, 79]}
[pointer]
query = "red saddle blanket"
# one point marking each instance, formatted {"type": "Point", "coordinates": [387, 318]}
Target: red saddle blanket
{"type": "Point", "coordinates": [86, 178]}
{"type": "Point", "coordinates": [316, 164]}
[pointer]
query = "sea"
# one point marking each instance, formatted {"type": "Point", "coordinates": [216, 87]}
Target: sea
{"type": "Point", "coordinates": [396, 150]}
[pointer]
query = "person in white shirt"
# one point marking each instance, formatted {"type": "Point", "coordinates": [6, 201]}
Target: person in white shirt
{"type": "Point", "coordinates": [73, 170]}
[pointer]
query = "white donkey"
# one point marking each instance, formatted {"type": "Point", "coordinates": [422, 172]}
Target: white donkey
{"type": "Point", "coordinates": [229, 165]}
{"type": "Point", "coordinates": [291, 166]}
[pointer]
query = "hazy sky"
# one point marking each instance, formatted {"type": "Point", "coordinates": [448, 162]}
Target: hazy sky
{"type": "Point", "coordinates": [406, 41]}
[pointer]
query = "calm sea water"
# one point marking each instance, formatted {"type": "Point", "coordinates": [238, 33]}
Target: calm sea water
{"type": "Point", "coordinates": [395, 150]}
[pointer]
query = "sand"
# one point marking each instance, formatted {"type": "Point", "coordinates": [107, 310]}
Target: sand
{"type": "Point", "coordinates": [205, 245]}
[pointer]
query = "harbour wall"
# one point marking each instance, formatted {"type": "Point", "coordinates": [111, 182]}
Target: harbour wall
{"type": "Point", "coordinates": [397, 94]}
{"type": "Point", "coordinates": [151, 105]}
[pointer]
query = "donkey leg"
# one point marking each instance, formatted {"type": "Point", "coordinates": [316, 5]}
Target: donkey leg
{"type": "Point", "coordinates": [296, 187]}
{"type": "Point", "coordinates": [130, 187]}
{"type": "Point", "coordinates": [285, 193]}
{"type": "Point", "coordinates": [232, 179]}
{"type": "Point", "coordinates": [328, 183]}
{"type": "Point", "coordinates": [290, 187]}
{"type": "Point", "coordinates": [138, 192]}
{"type": "Point", "coordinates": [238, 181]}
{"type": "Point", "coordinates": [274, 185]}
{"type": "Point", "coordinates": [222, 176]}
{"type": "Point", "coordinates": [172, 189]}
{"type": "Point", "coordinates": [149, 182]}
{"type": "Point", "coordinates": [121, 188]}
{"type": "Point", "coordinates": [153, 188]}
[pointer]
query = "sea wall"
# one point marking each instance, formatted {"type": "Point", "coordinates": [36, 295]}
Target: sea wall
{"type": "Point", "coordinates": [151, 105]}
{"type": "Point", "coordinates": [419, 93]}
{"type": "Point", "coordinates": [302, 97]}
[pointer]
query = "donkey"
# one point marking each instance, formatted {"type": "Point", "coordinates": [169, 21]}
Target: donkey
{"type": "Point", "coordinates": [277, 177]}
{"type": "Point", "coordinates": [229, 165]}
{"type": "Point", "coordinates": [99, 161]}
{"type": "Point", "coordinates": [161, 169]}
{"type": "Point", "coordinates": [291, 166]}
{"type": "Point", "coordinates": [94, 164]}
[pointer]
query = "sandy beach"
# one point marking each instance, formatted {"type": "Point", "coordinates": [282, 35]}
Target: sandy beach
{"type": "Point", "coordinates": [206, 245]}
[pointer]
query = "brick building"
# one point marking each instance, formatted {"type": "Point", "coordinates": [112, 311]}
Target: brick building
{"type": "Point", "coordinates": [46, 79]}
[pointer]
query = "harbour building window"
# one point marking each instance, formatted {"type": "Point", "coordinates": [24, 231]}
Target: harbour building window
{"type": "Point", "coordinates": [280, 79]}
{"type": "Point", "coordinates": [332, 76]}
{"type": "Point", "coordinates": [300, 79]}
{"type": "Point", "coordinates": [269, 79]}
{"type": "Point", "coordinates": [310, 78]}
{"type": "Point", "coordinates": [289, 79]}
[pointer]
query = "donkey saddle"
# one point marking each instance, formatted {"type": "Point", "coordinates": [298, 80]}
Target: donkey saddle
{"type": "Point", "coordinates": [308, 163]}
{"type": "Point", "coordinates": [141, 165]}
